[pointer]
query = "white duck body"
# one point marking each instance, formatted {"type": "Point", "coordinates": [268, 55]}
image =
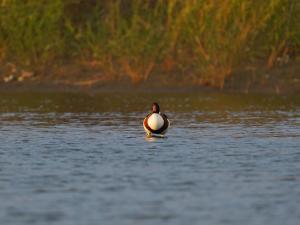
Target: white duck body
{"type": "Point", "coordinates": [156, 123]}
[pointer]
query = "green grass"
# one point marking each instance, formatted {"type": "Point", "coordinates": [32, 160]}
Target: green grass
{"type": "Point", "coordinates": [30, 30]}
{"type": "Point", "coordinates": [199, 41]}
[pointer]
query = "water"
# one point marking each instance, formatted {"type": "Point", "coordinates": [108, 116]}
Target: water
{"type": "Point", "coordinates": [76, 159]}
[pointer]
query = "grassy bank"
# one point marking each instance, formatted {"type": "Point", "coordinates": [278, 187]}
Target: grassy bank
{"type": "Point", "coordinates": [196, 42]}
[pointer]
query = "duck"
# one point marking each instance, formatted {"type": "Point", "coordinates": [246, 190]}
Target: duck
{"type": "Point", "coordinates": [156, 123]}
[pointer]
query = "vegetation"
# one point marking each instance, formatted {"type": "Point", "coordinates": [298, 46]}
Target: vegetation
{"type": "Point", "coordinates": [194, 41]}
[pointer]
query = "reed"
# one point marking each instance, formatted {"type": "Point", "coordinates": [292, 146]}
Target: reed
{"type": "Point", "coordinates": [197, 41]}
{"type": "Point", "coordinates": [129, 43]}
{"type": "Point", "coordinates": [30, 30]}
{"type": "Point", "coordinates": [282, 32]}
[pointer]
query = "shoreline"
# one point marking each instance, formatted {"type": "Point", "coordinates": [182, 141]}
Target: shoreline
{"type": "Point", "coordinates": [281, 80]}
{"type": "Point", "coordinates": [39, 87]}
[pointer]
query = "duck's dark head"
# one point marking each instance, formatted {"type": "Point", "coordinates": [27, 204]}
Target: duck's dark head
{"type": "Point", "coordinates": [155, 108]}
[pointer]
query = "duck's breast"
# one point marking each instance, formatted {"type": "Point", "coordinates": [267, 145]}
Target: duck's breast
{"type": "Point", "coordinates": [155, 121]}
